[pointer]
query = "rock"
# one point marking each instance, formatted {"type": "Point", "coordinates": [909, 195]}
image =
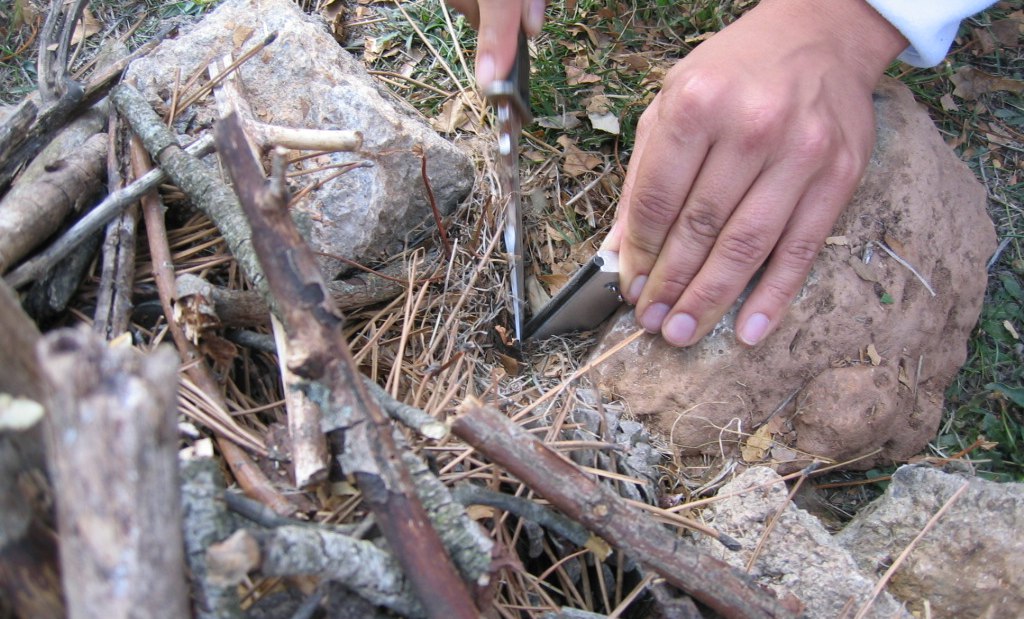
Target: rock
{"type": "Point", "coordinates": [799, 557]}
{"type": "Point", "coordinates": [865, 353]}
{"type": "Point", "coordinates": [971, 564]}
{"type": "Point", "coordinates": [304, 79]}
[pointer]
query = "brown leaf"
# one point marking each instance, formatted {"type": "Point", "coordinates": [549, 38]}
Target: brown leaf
{"type": "Point", "coordinates": [756, 445]}
{"type": "Point", "coordinates": [575, 76]}
{"type": "Point", "coordinates": [986, 42]}
{"type": "Point", "coordinates": [971, 83]}
{"type": "Point", "coordinates": [577, 162]}
{"type": "Point", "coordinates": [873, 355]}
{"type": "Point", "coordinates": [1007, 31]}
{"type": "Point", "coordinates": [85, 28]}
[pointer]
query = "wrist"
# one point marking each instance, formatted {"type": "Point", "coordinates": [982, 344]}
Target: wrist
{"type": "Point", "coordinates": [856, 30]}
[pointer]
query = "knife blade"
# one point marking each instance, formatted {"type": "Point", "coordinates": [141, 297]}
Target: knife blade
{"type": "Point", "coordinates": [587, 300]}
{"type": "Point", "coordinates": [510, 99]}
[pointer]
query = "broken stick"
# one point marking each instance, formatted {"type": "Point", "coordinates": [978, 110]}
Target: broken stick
{"type": "Point", "coordinates": [580, 497]}
{"type": "Point", "coordinates": [118, 501]}
{"type": "Point", "coordinates": [321, 356]}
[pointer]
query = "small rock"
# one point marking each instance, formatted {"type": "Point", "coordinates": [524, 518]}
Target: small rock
{"type": "Point", "coordinates": [814, 378]}
{"type": "Point", "coordinates": [799, 556]}
{"type": "Point", "coordinates": [970, 564]}
{"type": "Point", "coordinates": [304, 79]}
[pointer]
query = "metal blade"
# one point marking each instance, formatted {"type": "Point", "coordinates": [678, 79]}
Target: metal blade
{"type": "Point", "coordinates": [510, 99]}
{"type": "Point", "coordinates": [590, 297]}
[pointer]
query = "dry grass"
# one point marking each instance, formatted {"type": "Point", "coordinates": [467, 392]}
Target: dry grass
{"type": "Point", "coordinates": [441, 340]}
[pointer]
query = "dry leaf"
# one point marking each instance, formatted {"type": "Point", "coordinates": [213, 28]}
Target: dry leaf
{"type": "Point", "coordinates": [971, 83]}
{"type": "Point", "coordinates": [838, 240]}
{"type": "Point", "coordinates": [555, 281]}
{"type": "Point", "coordinates": [453, 115]}
{"type": "Point", "coordinates": [575, 76]}
{"type": "Point", "coordinates": [1007, 31]}
{"type": "Point", "coordinates": [873, 355]}
{"type": "Point", "coordinates": [948, 104]}
{"type": "Point", "coordinates": [536, 296]}
{"type": "Point", "coordinates": [563, 122]}
{"type": "Point", "coordinates": [1011, 330]}
{"type": "Point", "coordinates": [635, 62]}
{"type": "Point", "coordinates": [756, 445]}
{"type": "Point", "coordinates": [986, 42]}
{"type": "Point", "coordinates": [904, 378]}
{"type": "Point", "coordinates": [866, 271]}
{"type": "Point", "coordinates": [607, 122]}
{"type": "Point", "coordinates": [577, 162]}
{"type": "Point", "coordinates": [509, 364]}
{"type": "Point", "coordinates": [85, 28]}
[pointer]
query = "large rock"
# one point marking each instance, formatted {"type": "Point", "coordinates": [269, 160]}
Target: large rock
{"type": "Point", "coordinates": [305, 79]}
{"type": "Point", "coordinates": [970, 564]}
{"type": "Point", "coordinates": [798, 557]}
{"type": "Point", "coordinates": [863, 357]}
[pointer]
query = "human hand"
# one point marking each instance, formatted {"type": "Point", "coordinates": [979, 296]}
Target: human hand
{"type": "Point", "coordinates": [498, 23]}
{"type": "Point", "coordinates": [746, 158]}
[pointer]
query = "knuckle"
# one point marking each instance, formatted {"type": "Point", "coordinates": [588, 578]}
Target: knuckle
{"type": "Point", "coordinates": [799, 254]}
{"type": "Point", "coordinates": [815, 141]}
{"type": "Point", "coordinates": [744, 247]}
{"type": "Point", "coordinates": [699, 218]}
{"type": "Point", "coordinates": [709, 294]}
{"type": "Point", "coordinates": [652, 207]}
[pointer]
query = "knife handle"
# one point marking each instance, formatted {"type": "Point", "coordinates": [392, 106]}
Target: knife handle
{"type": "Point", "coordinates": [519, 76]}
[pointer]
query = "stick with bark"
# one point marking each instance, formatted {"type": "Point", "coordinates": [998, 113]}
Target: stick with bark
{"type": "Point", "coordinates": [29, 570]}
{"type": "Point", "coordinates": [118, 503]}
{"type": "Point", "coordinates": [322, 357]}
{"type": "Point", "coordinates": [580, 497]}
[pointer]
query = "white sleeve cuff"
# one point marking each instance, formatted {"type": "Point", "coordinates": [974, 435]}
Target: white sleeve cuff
{"type": "Point", "coordinates": [929, 26]}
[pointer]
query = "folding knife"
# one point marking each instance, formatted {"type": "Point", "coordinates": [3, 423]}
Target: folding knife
{"type": "Point", "coordinates": [587, 300]}
{"type": "Point", "coordinates": [511, 101]}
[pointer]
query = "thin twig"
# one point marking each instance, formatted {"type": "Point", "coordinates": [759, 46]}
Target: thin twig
{"type": "Point", "coordinates": [906, 264]}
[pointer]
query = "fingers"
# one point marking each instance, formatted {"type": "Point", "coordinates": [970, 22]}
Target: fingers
{"type": "Point", "coordinates": [797, 249]}
{"type": "Point", "coordinates": [657, 183]}
{"type": "Point", "coordinates": [498, 23]}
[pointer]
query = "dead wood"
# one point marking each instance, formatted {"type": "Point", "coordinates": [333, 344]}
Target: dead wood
{"type": "Point", "coordinates": [580, 497]}
{"type": "Point", "coordinates": [51, 295]}
{"type": "Point", "coordinates": [23, 146]}
{"type": "Point", "coordinates": [206, 522]}
{"type": "Point", "coordinates": [31, 212]}
{"type": "Point", "coordinates": [203, 186]}
{"type": "Point", "coordinates": [66, 141]}
{"type": "Point", "coordinates": [365, 448]}
{"type": "Point", "coordinates": [29, 571]}
{"type": "Point", "coordinates": [246, 473]}
{"type": "Point", "coordinates": [113, 299]}
{"type": "Point", "coordinates": [95, 219]}
{"type": "Point", "coordinates": [54, 45]}
{"type": "Point", "coordinates": [247, 308]}
{"type": "Point", "coordinates": [294, 550]}
{"type": "Point", "coordinates": [118, 505]}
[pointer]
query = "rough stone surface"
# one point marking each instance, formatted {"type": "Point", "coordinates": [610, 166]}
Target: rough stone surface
{"type": "Point", "coordinates": [306, 80]}
{"type": "Point", "coordinates": [863, 357]}
{"type": "Point", "coordinates": [799, 556]}
{"type": "Point", "coordinates": [971, 564]}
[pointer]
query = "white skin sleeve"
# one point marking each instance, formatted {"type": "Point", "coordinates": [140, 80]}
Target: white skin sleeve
{"type": "Point", "coordinates": [929, 25]}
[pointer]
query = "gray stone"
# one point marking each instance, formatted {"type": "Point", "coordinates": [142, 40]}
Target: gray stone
{"type": "Point", "coordinates": [306, 80]}
{"type": "Point", "coordinates": [799, 556]}
{"type": "Point", "coordinates": [864, 355]}
{"type": "Point", "coordinates": [970, 564]}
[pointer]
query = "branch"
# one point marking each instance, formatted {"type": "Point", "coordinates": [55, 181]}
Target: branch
{"type": "Point", "coordinates": [118, 504]}
{"type": "Point", "coordinates": [581, 498]}
{"type": "Point", "coordinates": [322, 357]}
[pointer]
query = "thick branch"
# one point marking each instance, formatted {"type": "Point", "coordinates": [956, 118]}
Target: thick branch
{"type": "Point", "coordinates": [581, 498]}
{"type": "Point", "coordinates": [295, 550]}
{"type": "Point", "coordinates": [322, 357]}
{"type": "Point", "coordinates": [31, 212]}
{"type": "Point", "coordinates": [208, 193]}
{"type": "Point", "coordinates": [118, 504]}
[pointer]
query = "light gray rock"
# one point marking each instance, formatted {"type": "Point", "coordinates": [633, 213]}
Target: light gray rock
{"type": "Point", "coordinates": [971, 564]}
{"type": "Point", "coordinates": [865, 353]}
{"type": "Point", "coordinates": [799, 556]}
{"type": "Point", "coordinates": [306, 80]}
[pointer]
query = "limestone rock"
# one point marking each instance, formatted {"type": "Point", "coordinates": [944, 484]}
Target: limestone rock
{"type": "Point", "coordinates": [304, 79]}
{"type": "Point", "coordinates": [799, 556]}
{"type": "Point", "coordinates": [971, 564]}
{"type": "Point", "coordinates": [866, 351]}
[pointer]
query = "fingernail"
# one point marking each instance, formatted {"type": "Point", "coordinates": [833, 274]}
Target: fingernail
{"type": "Point", "coordinates": [535, 17]}
{"type": "Point", "coordinates": [653, 317]}
{"type": "Point", "coordinates": [754, 329]}
{"type": "Point", "coordinates": [635, 288]}
{"type": "Point", "coordinates": [484, 70]}
{"type": "Point", "coordinates": [679, 329]}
